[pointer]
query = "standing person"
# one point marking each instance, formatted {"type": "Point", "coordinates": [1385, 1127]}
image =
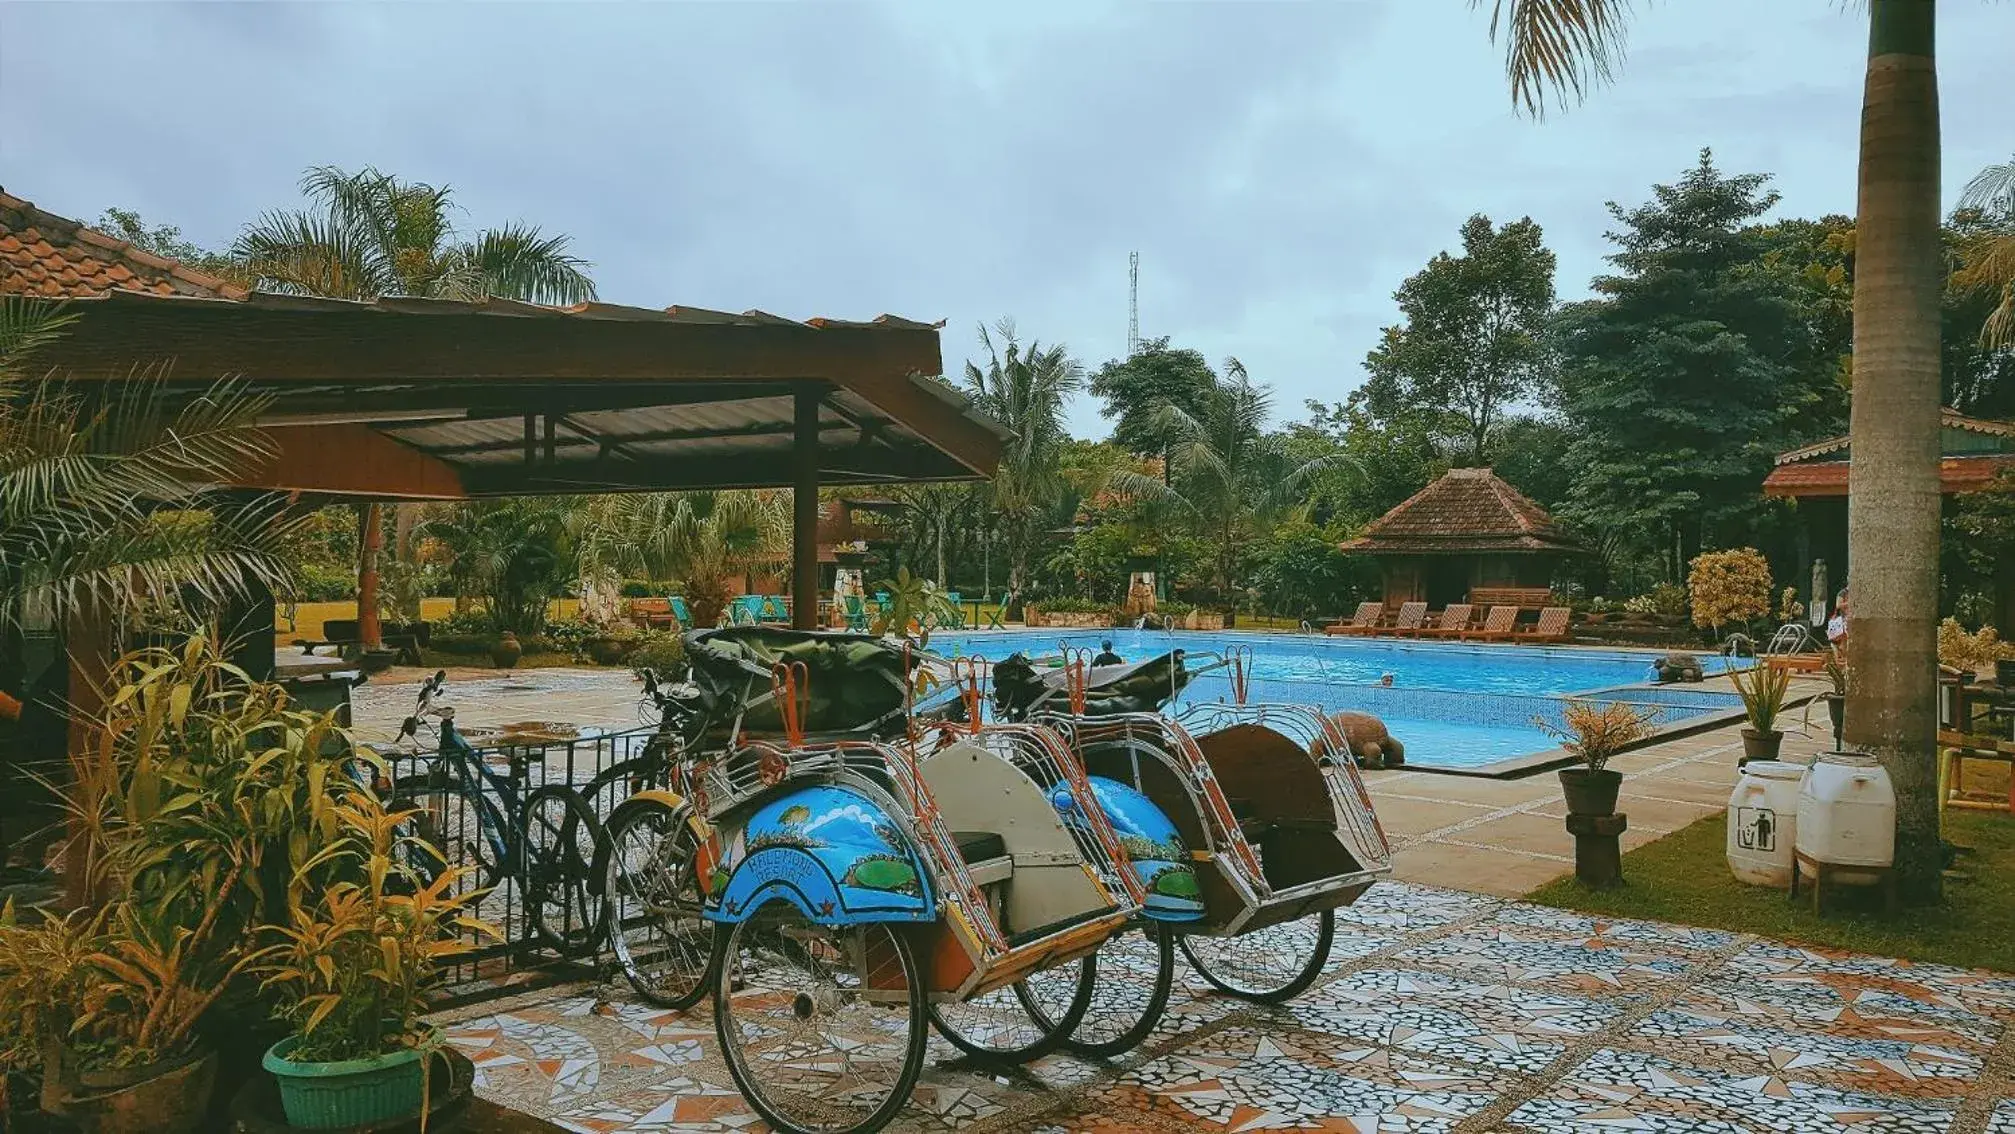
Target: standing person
{"type": "Point", "coordinates": [1836, 627]}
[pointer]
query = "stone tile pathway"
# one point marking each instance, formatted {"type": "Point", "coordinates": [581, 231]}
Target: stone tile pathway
{"type": "Point", "coordinates": [1451, 1012]}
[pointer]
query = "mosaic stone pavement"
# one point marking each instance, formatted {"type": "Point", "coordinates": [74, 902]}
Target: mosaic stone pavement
{"type": "Point", "coordinates": [1441, 1011]}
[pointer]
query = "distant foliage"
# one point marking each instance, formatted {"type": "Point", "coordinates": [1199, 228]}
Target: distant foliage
{"type": "Point", "coordinates": [1666, 600]}
{"type": "Point", "coordinates": [1976, 652]}
{"type": "Point", "coordinates": [1728, 588]}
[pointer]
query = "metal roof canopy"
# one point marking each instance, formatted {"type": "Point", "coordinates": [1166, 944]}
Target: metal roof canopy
{"type": "Point", "coordinates": [437, 399]}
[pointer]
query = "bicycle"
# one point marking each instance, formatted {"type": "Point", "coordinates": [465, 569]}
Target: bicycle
{"type": "Point", "coordinates": [542, 837]}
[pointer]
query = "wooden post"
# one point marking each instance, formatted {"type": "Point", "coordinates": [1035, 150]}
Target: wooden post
{"type": "Point", "coordinates": [370, 635]}
{"type": "Point", "coordinates": [805, 512]}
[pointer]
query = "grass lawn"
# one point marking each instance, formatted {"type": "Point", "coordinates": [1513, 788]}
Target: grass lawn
{"type": "Point", "coordinates": [1684, 878]}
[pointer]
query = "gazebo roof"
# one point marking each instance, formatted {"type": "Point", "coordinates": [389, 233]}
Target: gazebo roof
{"type": "Point", "coordinates": [1973, 453]}
{"type": "Point", "coordinates": [404, 398]}
{"type": "Point", "coordinates": [1466, 511]}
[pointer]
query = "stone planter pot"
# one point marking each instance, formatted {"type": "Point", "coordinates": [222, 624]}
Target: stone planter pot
{"type": "Point", "coordinates": [1590, 793]}
{"type": "Point", "coordinates": [171, 1096]}
{"type": "Point", "coordinates": [610, 651]}
{"type": "Point", "coordinates": [507, 651]}
{"type": "Point", "coordinates": [378, 660]}
{"type": "Point", "coordinates": [1760, 745]}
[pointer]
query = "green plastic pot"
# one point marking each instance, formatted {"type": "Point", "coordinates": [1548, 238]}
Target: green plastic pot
{"type": "Point", "coordinates": [350, 1092]}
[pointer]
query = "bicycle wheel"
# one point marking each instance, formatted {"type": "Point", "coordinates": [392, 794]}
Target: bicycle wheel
{"type": "Point", "coordinates": [652, 900]}
{"type": "Point", "coordinates": [1135, 974]}
{"type": "Point", "coordinates": [1270, 965]}
{"type": "Point", "coordinates": [1000, 1026]}
{"type": "Point", "coordinates": [557, 839]}
{"type": "Point", "coordinates": [825, 1033]}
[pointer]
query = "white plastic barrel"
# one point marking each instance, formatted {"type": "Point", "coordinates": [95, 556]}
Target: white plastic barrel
{"type": "Point", "coordinates": [1847, 812]}
{"type": "Point", "coordinates": [1763, 821]}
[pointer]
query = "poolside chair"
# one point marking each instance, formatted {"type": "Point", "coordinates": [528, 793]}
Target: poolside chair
{"type": "Point", "coordinates": [1363, 622]}
{"type": "Point", "coordinates": [956, 620]}
{"type": "Point", "coordinates": [1496, 625]}
{"type": "Point", "coordinates": [1453, 623]}
{"type": "Point", "coordinates": [775, 610]}
{"type": "Point", "coordinates": [1408, 623]}
{"type": "Point", "coordinates": [682, 612]}
{"type": "Point", "coordinates": [857, 613]}
{"type": "Point", "coordinates": [1552, 626]}
{"type": "Point", "coordinates": [999, 611]}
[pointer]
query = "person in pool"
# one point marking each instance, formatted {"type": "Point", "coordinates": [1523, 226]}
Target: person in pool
{"type": "Point", "coordinates": [1106, 656]}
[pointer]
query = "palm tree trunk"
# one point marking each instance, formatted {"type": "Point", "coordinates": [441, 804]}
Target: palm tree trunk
{"type": "Point", "coordinates": [370, 539]}
{"type": "Point", "coordinates": [1893, 499]}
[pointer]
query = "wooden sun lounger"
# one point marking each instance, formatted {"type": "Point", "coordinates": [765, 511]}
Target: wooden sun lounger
{"type": "Point", "coordinates": [1796, 663]}
{"type": "Point", "coordinates": [1496, 625]}
{"type": "Point", "coordinates": [1363, 622]}
{"type": "Point", "coordinates": [1552, 626]}
{"type": "Point", "coordinates": [1411, 616]}
{"type": "Point", "coordinates": [1454, 621]}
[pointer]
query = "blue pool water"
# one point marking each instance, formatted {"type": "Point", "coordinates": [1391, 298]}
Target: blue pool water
{"type": "Point", "coordinates": [1453, 705]}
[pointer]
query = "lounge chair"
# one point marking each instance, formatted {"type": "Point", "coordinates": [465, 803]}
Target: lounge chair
{"type": "Point", "coordinates": [1453, 623]}
{"type": "Point", "coordinates": [653, 613]}
{"type": "Point", "coordinates": [956, 620]}
{"type": "Point", "coordinates": [1552, 626]}
{"type": "Point", "coordinates": [1363, 622]}
{"type": "Point", "coordinates": [1409, 621]}
{"type": "Point", "coordinates": [682, 612]}
{"type": "Point", "coordinates": [1496, 625]}
{"type": "Point", "coordinates": [775, 609]}
{"type": "Point", "coordinates": [999, 612]}
{"type": "Point", "coordinates": [857, 613]}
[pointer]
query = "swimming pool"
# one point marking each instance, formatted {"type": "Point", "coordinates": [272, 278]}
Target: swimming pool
{"type": "Point", "coordinates": [1454, 705]}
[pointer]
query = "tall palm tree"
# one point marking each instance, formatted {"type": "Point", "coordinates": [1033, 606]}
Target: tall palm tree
{"type": "Point", "coordinates": [104, 497]}
{"type": "Point", "coordinates": [1562, 48]}
{"type": "Point", "coordinates": [1989, 258]}
{"type": "Point", "coordinates": [1024, 388]}
{"type": "Point", "coordinates": [1224, 471]}
{"type": "Point", "coordinates": [371, 234]}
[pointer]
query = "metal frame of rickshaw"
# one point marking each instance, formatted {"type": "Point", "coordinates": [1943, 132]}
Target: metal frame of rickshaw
{"type": "Point", "coordinates": [892, 777]}
{"type": "Point", "coordinates": [1245, 900]}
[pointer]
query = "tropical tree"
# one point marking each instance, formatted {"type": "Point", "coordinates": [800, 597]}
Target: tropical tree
{"type": "Point", "coordinates": [1560, 48]}
{"type": "Point", "coordinates": [1134, 389]}
{"type": "Point", "coordinates": [1989, 254]}
{"type": "Point", "coordinates": [1473, 340]}
{"type": "Point", "coordinates": [517, 554]}
{"type": "Point", "coordinates": [105, 497]}
{"type": "Point", "coordinates": [370, 234]}
{"type": "Point", "coordinates": [1228, 475]}
{"type": "Point", "coordinates": [1024, 389]}
{"type": "Point", "coordinates": [701, 539]}
{"type": "Point", "coordinates": [932, 509]}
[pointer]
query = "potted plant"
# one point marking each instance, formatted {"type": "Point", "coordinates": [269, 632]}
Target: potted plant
{"type": "Point", "coordinates": [1836, 698]}
{"type": "Point", "coordinates": [1762, 693]}
{"type": "Point", "coordinates": [506, 650]}
{"type": "Point", "coordinates": [611, 644]}
{"type": "Point", "coordinates": [352, 970]}
{"type": "Point", "coordinates": [1593, 733]}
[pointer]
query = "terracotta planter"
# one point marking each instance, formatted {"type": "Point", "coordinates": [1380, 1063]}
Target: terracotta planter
{"type": "Point", "coordinates": [507, 651]}
{"type": "Point", "coordinates": [610, 651]}
{"type": "Point", "coordinates": [1760, 745]}
{"type": "Point", "coordinates": [1590, 793]}
{"type": "Point", "coordinates": [168, 1097]}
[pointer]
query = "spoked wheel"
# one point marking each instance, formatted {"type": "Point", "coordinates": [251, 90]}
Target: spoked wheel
{"type": "Point", "coordinates": [560, 833]}
{"type": "Point", "coordinates": [1134, 974]}
{"type": "Point", "coordinates": [1269, 965]}
{"type": "Point", "coordinates": [1001, 1026]}
{"type": "Point", "coordinates": [824, 1028]}
{"type": "Point", "coordinates": [652, 901]}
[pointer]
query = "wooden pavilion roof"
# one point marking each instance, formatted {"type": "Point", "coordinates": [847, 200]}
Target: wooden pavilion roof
{"type": "Point", "coordinates": [1974, 453]}
{"type": "Point", "coordinates": [403, 398]}
{"type": "Point", "coordinates": [1464, 512]}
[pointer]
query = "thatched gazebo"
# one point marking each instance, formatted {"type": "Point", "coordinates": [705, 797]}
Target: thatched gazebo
{"type": "Point", "coordinates": [1465, 533]}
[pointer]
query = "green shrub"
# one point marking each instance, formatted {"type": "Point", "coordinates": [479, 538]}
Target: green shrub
{"type": "Point", "coordinates": [1072, 606]}
{"type": "Point", "coordinates": [1666, 600]}
{"type": "Point", "coordinates": [320, 583]}
{"type": "Point", "coordinates": [661, 651]}
{"type": "Point", "coordinates": [647, 588]}
{"type": "Point", "coordinates": [566, 635]}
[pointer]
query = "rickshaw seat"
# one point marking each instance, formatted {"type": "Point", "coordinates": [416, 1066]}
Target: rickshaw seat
{"type": "Point", "coordinates": [1250, 824]}
{"type": "Point", "coordinates": [985, 854]}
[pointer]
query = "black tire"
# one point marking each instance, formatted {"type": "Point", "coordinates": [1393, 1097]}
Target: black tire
{"type": "Point", "coordinates": [651, 908]}
{"type": "Point", "coordinates": [1113, 1025]}
{"type": "Point", "coordinates": [1022, 1000]}
{"type": "Point", "coordinates": [462, 828]}
{"type": "Point", "coordinates": [558, 838]}
{"type": "Point", "coordinates": [1264, 988]}
{"type": "Point", "coordinates": [788, 932]}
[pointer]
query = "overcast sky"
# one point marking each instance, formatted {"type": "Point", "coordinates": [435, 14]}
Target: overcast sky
{"type": "Point", "coordinates": [1280, 167]}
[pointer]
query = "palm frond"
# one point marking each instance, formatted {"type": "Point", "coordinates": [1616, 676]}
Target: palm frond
{"type": "Point", "coordinates": [307, 254]}
{"type": "Point", "coordinates": [517, 262]}
{"type": "Point", "coordinates": [1557, 49]}
{"type": "Point", "coordinates": [1992, 190]}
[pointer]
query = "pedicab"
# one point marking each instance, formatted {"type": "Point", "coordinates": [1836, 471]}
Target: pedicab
{"type": "Point", "coordinates": [1263, 804]}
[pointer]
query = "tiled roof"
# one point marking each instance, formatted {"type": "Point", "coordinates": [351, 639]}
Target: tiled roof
{"type": "Point", "coordinates": [1829, 478]}
{"type": "Point", "coordinates": [1467, 510]}
{"type": "Point", "coordinates": [1948, 418]}
{"type": "Point", "coordinates": [44, 254]}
